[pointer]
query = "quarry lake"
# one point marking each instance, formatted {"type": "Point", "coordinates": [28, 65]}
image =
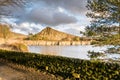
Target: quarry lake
{"type": "Point", "coordinates": [80, 51]}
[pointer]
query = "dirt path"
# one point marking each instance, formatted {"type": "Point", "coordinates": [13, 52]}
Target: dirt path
{"type": "Point", "coordinates": [9, 71]}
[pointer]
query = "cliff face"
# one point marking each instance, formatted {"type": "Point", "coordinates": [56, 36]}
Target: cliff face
{"type": "Point", "coordinates": [52, 43]}
{"type": "Point", "coordinates": [53, 35]}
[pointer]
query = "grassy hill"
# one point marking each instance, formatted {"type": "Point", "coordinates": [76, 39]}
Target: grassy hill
{"type": "Point", "coordinates": [51, 34]}
{"type": "Point", "coordinates": [5, 32]}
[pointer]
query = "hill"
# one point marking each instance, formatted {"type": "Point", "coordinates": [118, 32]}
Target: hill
{"type": "Point", "coordinates": [53, 35]}
{"type": "Point", "coordinates": [6, 33]}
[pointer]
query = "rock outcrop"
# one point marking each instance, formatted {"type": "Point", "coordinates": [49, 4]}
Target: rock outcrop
{"type": "Point", "coordinates": [59, 43]}
{"type": "Point", "coordinates": [49, 36]}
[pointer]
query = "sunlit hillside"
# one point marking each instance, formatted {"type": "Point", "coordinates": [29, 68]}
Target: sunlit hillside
{"type": "Point", "coordinates": [53, 35]}
{"type": "Point", "coordinates": [5, 32]}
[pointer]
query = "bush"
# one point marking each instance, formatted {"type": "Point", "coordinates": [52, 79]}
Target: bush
{"type": "Point", "coordinates": [68, 68]}
{"type": "Point", "coordinates": [19, 47]}
{"type": "Point", "coordinates": [76, 39]}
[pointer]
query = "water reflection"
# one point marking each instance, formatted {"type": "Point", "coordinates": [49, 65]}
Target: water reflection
{"type": "Point", "coordinates": [67, 51]}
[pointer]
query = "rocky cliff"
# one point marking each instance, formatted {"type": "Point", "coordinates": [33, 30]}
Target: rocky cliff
{"type": "Point", "coordinates": [52, 43]}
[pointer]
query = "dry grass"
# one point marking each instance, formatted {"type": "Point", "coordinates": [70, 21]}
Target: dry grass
{"type": "Point", "coordinates": [10, 71]}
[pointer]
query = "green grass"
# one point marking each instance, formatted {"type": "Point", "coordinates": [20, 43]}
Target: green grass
{"type": "Point", "coordinates": [68, 68]}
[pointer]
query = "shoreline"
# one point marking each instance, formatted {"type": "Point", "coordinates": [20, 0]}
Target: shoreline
{"type": "Point", "coordinates": [45, 43]}
{"type": "Point", "coordinates": [54, 43]}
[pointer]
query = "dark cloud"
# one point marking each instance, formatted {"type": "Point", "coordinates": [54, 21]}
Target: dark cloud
{"type": "Point", "coordinates": [49, 16]}
{"type": "Point", "coordinates": [46, 12]}
{"type": "Point", "coordinates": [62, 18]}
{"type": "Point", "coordinates": [12, 8]}
{"type": "Point", "coordinates": [74, 6]}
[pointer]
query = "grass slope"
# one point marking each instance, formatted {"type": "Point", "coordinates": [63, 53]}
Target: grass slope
{"type": "Point", "coordinates": [51, 34]}
{"type": "Point", "coordinates": [5, 32]}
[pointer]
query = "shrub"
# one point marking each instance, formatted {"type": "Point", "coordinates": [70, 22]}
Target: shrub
{"type": "Point", "coordinates": [19, 47]}
{"type": "Point", "coordinates": [68, 68]}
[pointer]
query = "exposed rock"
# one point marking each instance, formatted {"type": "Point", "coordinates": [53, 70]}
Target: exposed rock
{"type": "Point", "coordinates": [60, 43]}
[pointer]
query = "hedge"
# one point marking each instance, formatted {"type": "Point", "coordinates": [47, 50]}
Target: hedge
{"type": "Point", "coordinates": [68, 68]}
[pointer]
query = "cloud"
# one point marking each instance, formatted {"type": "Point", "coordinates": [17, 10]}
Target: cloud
{"type": "Point", "coordinates": [53, 13]}
{"type": "Point", "coordinates": [26, 28]}
{"type": "Point", "coordinates": [49, 16]}
{"type": "Point", "coordinates": [49, 12]}
{"type": "Point", "coordinates": [75, 6]}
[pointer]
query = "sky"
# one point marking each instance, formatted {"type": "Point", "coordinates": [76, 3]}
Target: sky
{"type": "Point", "coordinates": [63, 15]}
